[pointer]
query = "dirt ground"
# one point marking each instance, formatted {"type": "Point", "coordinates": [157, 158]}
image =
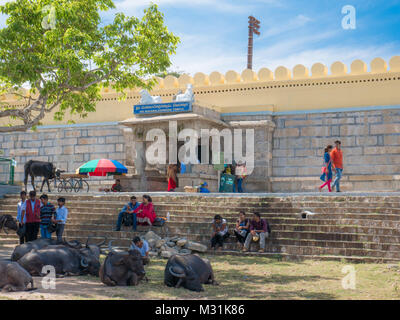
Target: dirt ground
{"type": "Point", "coordinates": [240, 278]}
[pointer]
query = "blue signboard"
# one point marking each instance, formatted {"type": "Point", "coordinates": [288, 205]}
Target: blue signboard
{"type": "Point", "coordinates": [173, 107]}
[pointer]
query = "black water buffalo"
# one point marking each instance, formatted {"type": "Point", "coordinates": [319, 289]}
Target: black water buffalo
{"type": "Point", "coordinates": [66, 261]}
{"type": "Point", "coordinates": [8, 222]}
{"type": "Point", "coordinates": [34, 168]}
{"type": "Point", "coordinates": [122, 268]}
{"type": "Point", "coordinates": [23, 249]}
{"type": "Point", "coordinates": [189, 271]}
{"type": "Point", "coordinates": [14, 278]}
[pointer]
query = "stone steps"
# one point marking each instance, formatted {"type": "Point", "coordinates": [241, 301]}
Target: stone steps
{"type": "Point", "coordinates": [355, 228]}
{"type": "Point", "coordinates": [206, 227]}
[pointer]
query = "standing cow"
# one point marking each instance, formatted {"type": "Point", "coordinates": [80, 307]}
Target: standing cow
{"type": "Point", "coordinates": [14, 278]}
{"type": "Point", "coordinates": [122, 268]}
{"type": "Point", "coordinates": [189, 271]}
{"type": "Point", "coordinates": [35, 168]}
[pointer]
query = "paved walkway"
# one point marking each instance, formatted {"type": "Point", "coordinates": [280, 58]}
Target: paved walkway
{"type": "Point", "coordinates": [230, 195]}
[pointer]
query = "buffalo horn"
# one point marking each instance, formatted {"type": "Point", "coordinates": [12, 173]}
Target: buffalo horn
{"type": "Point", "coordinates": [110, 247]}
{"type": "Point", "coordinates": [84, 263]}
{"type": "Point", "coordinates": [178, 275]}
{"type": "Point", "coordinates": [87, 241]}
{"type": "Point", "coordinates": [102, 243]}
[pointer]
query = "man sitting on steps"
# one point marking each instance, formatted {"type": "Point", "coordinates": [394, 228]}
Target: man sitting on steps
{"type": "Point", "coordinates": [128, 210]}
{"type": "Point", "coordinates": [259, 231]}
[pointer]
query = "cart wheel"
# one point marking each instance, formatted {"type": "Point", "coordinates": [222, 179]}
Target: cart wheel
{"type": "Point", "coordinates": [81, 185]}
{"type": "Point", "coordinates": [68, 186]}
{"type": "Point", "coordinates": [60, 187]}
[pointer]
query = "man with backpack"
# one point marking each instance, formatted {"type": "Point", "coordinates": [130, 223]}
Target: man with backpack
{"type": "Point", "coordinates": [259, 231]}
{"type": "Point", "coordinates": [127, 214]}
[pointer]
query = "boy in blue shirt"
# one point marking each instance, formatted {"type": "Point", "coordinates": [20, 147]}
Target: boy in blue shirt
{"type": "Point", "coordinates": [61, 218]}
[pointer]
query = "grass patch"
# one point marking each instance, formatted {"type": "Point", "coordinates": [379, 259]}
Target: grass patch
{"type": "Point", "coordinates": [246, 277]}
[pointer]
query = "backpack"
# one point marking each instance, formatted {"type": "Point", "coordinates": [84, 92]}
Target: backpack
{"type": "Point", "coordinates": [158, 222]}
{"type": "Point", "coordinates": [127, 219]}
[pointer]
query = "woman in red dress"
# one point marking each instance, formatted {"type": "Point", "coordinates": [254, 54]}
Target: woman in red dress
{"type": "Point", "coordinates": [171, 176]}
{"type": "Point", "coordinates": [145, 212]}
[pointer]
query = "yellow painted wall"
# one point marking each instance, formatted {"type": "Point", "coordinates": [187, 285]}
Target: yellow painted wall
{"type": "Point", "coordinates": [279, 91]}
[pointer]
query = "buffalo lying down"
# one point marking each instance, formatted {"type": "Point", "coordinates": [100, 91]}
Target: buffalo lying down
{"type": "Point", "coordinates": [66, 261]}
{"type": "Point", "coordinates": [8, 222]}
{"type": "Point", "coordinates": [122, 268]}
{"type": "Point", "coordinates": [189, 271]}
{"type": "Point", "coordinates": [14, 278]}
{"type": "Point", "coordinates": [23, 249]}
{"type": "Point", "coordinates": [38, 244]}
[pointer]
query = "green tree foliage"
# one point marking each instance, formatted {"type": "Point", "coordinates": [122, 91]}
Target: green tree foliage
{"type": "Point", "coordinates": [64, 54]}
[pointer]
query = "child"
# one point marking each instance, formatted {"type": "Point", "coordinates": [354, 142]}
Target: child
{"type": "Point", "coordinates": [61, 218]}
{"type": "Point", "coordinates": [47, 212]}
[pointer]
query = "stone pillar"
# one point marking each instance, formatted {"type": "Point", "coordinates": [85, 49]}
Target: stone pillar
{"type": "Point", "coordinates": [140, 163]}
{"type": "Point", "coordinates": [259, 180]}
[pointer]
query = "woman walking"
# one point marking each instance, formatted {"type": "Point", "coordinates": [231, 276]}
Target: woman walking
{"type": "Point", "coordinates": [171, 176]}
{"type": "Point", "coordinates": [327, 169]}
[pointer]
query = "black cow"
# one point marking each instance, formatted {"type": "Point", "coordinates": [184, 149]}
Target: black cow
{"type": "Point", "coordinates": [35, 168]}
{"type": "Point", "coordinates": [66, 261]}
{"type": "Point", "coordinates": [14, 278]}
{"type": "Point", "coordinates": [122, 268]}
{"type": "Point", "coordinates": [188, 271]}
{"type": "Point", "coordinates": [23, 249]}
{"type": "Point", "coordinates": [8, 222]}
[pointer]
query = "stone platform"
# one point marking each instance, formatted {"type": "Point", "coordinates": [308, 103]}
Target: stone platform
{"type": "Point", "coordinates": [360, 227]}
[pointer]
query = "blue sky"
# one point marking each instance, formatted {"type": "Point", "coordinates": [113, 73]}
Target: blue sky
{"type": "Point", "coordinates": [214, 32]}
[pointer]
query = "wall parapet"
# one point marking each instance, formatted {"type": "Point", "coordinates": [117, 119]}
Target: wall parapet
{"type": "Point", "coordinates": [281, 73]}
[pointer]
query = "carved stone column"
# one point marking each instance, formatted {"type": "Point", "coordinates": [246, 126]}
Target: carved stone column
{"type": "Point", "coordinates": [259, 179]}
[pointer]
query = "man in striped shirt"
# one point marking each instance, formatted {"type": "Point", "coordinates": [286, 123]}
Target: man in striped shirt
{"type": "Point", "coordinates": [47, 212]}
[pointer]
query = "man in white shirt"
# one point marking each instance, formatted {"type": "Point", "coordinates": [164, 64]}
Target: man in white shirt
{"type": "Point", "coordinates": [61, 218]}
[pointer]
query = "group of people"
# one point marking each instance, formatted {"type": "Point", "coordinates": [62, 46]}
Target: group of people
{"type": "Point", "coordinates": [39, 214]}
{"type": "Point", "coordinates": [333, 162]}
{"type": "Point", "coordinates": [138, 213]}
{"type": "Point", "coordinates": [240, 172]}
{"type": "Point", "coordinates": [246, 231]}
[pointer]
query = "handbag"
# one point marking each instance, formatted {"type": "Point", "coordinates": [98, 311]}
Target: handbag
{"type": "Point", "coordinates": [21, 231]}
{"type": "Point", "coordinates": [52, 227]}
{"type": "Point", "coordinates": [159, 222]}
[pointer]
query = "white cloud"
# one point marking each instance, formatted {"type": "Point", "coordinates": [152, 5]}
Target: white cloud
{"type": "Point", "coordinates": [279, 28]}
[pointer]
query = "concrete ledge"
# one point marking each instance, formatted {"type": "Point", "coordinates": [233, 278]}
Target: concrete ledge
{"type": "Point", "coordinates": [345, 178]}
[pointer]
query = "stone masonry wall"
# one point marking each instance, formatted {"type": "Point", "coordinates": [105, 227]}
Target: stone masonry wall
{"type": "Point", "coordinates": [67, 147]}
{"type": "Point", "coordinates": [370, 143]}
